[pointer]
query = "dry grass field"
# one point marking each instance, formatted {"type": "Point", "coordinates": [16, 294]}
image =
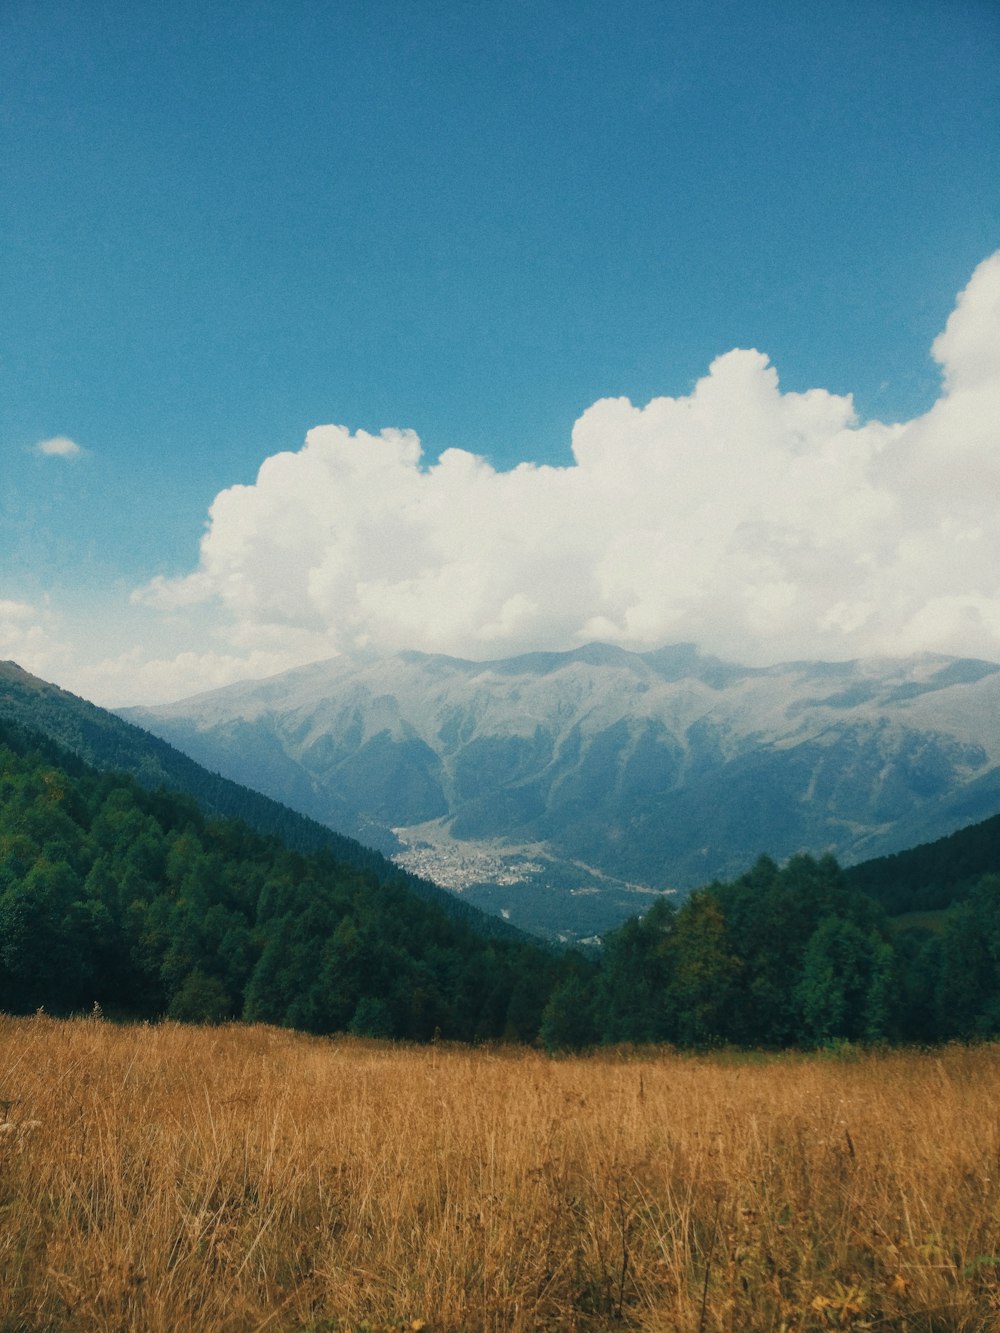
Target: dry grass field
{"type": "Point", "coordinates": [170, 1178]}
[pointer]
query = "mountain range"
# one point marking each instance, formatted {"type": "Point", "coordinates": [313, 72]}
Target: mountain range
{"type": "Point", "coordinates": [144, 903]}
{"type": "Point", "coordinates": [559, 789]}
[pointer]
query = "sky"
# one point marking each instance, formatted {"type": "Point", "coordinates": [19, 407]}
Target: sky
{"type": "Point", "coordinates": [481, 328]}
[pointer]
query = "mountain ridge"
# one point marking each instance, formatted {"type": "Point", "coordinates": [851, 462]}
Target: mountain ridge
{"type": "Point", "coordinates": [617, 770]}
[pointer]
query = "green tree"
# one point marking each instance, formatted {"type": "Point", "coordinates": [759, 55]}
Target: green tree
{"type": "Point", "coordinates": [201, 999]}
{"type": "Point", "coordinates": [46, 956]}
{"type": "Point", "coordinates": [703, 968]}
{"type": "Point", "coordinates": [635, 971]}
{"type": "Point", "coordinates": [372, 1018]}
{"type": "Point", "coordinates": [846, 986]}
{"type": "Point", "coordinates": [567, 1021]}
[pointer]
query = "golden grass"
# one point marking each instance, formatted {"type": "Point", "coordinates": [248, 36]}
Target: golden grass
{"type": "Point", "coordinates": [171, 1178]}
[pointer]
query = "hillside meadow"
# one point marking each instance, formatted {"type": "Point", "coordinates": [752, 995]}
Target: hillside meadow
{"type": "Point", "coordinates": [233, 1178]}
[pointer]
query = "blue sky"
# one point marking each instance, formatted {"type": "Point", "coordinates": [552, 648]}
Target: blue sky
{"type": "Point", "coordinates": [225, 225]}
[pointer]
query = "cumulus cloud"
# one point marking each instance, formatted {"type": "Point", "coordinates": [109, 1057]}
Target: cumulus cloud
{"type": "Point", "coordinates": [758, 523]}
{"type": "Point", "coordinates": [59, 446]}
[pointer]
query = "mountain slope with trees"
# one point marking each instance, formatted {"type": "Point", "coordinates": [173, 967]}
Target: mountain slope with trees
{"type": "Point", "coordinates": [140, 902]}
{"type": "Point", "coordinates": [932, 875]}
{"type": "Point", "coordinates": [110, 743]}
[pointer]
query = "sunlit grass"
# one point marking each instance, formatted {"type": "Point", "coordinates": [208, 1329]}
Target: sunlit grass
{"type": "Point", "coordinates": [170, 1178]}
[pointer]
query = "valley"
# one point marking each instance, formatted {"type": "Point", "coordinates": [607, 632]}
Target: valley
{"type": "Point", "coordinates": [551, 788]}
{"type": "Point", "coordinates": [522, 883]}
{"type": "Point", "coordinates": [432, 851]}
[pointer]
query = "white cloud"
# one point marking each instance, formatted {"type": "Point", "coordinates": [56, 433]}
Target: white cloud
{"type": "Point", "coordinates": [760, 524]}
{"type": "Point", "coordinates": [969, 347]}
{"type": "Point", "coordinates": [28, 637]}
{"type": "Point", "coordinates": [134, 677]}
{"type": "Point", "coordinates": [59, 446]}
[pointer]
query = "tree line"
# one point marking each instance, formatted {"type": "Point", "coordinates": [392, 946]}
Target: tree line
{"type": "Point", "coordinates": [139, 902]}
{"type": "Point", "coordinates": [793, 956]}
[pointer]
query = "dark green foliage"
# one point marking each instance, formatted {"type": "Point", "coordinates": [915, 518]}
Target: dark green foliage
{"type": "Point", "coordinates": [844, 989]}
{"type": "Point", "coordinates": [568, 1018]}
{"type": "Point", "coordinates": [632, 988]}
{"type": "Point", "coordinates": [933, 875]}
{"type": "Point", "coordinates": [143, 903]}
{"type": "Point", "coordinates": [797, 956]}
{"type": "Point", "coordinates": [137, 901]}
{"type": "Point", "coordinates": [773, 917]}
{"type": "Point", "coordinates": [703, 968]}
{"type": "Point", "coordinates": [201, 999]}
{"type": "Point", "coordinates": [109, 743]}
{"type": "Point", "coordinates": [966, 966]}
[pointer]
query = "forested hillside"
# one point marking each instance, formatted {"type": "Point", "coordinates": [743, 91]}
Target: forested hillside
{"type": "Point", "coordinates": [140, 903]}
{"type": "Point", "coordinates": [112, 744]}
{"type": "Point", "coordinates": [799, 956]}
{"type": "Point", "coordinates": [933, 875]}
